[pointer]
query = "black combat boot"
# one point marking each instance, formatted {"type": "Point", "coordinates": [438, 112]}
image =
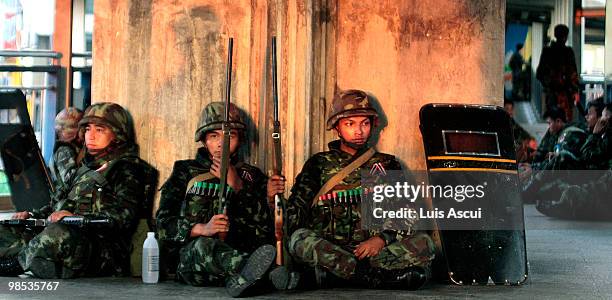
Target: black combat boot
{"type": "Point", "coordinates": [255, 268]}
{"type": "Point", "coordinates": [283, 279]}
{"type": "Point", "coordinates": [9, 266]}
{"type": "Point", "coordinates": [411, 278]}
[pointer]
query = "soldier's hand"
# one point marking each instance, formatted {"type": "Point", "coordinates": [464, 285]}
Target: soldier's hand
{"type": "Point", "coordinates": [58, 215]}
{"type": "Point", "coordinates": [369, 248]}
{"type": "Point", "coordinates": [218, 223]}
{"type": "Point", "coordinates": [22, 215]}
{"type": "Point", "coordinates": [600, 126]}
{"type": "Point", "coordinates": [233, 179]}
{"type": "Point", "coordinates": [276, 185]}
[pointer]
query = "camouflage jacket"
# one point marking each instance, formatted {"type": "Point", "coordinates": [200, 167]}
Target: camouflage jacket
{"type": "Point", "coordinates": [63, 167]}
{"type": "Point", "coordinates": [596, 153]}
{"type": "Point", "coordinates": [547, 144]}
{"type": "Point", "coordinates": [110, 187]}
{"type": "Point", "coordinates": [570, 139]}
{"type": "Point", "coordinates": [315, 173]}
{"type": "Point", "coordinates": [250, 217]}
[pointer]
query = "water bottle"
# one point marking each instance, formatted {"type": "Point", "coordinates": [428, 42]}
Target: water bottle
{"type": "Point", "coordinates": [150, 259]}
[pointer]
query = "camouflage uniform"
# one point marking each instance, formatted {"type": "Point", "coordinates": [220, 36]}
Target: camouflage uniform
{"type": "Point", "coordinates": [569, 141]}
{"type": "Point", "coordinates": [589, 201]}
{"type": "Point", "coordinates": [66, 150]}
{"type": "Point", "coordinates": [312, 242]}
{"type": "Point", "coordinates": [596, 153]}
{"type": "Point", "coordinates": [584, 194]}
{"type": "Point", "coordinates": [551, 175]}
{"type": "Point", "coordinates": [110, 186]}
{"type": "Point", "coordinates": [208, 260]}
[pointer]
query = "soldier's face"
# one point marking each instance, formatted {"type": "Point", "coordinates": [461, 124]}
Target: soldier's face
{"type": "Point", "coordinates": [213, 141]}
{"type": "Point", "coordinates": [554, 126]}
{"type": "Point", "coordinates": [606, 114]}
{"type": "Point", "coordinates": [97, 137]}
{"type": "Point", "coordinates": [67, 133]}
{"type": "Point", "coordinates": [591, 117]}
{"type": "Point", "coordinates": [355, 130]}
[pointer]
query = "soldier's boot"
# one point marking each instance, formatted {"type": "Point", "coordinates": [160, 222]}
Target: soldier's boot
{"type": "Point", "coordinates": [47, 269]}
{"type": "Point", "coordinates": [9, 266]}
{"type": "Point", "coordinates": [254, 269]}
{"type": "Point", "coordinates": [283, 279]}
{"type": "Point", "coordinates": [411, 278]}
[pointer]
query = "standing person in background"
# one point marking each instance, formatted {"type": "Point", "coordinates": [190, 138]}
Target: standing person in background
{"type": "Point", "coordinates": [558, 74]}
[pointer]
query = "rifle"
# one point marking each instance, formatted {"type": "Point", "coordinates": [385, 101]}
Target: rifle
{"type": "Point", "coordinates": [79, 221]}
{"type": "Point", "coordinates": [225, 128]}
{"type": "Point", "coordinates": [279, 225]}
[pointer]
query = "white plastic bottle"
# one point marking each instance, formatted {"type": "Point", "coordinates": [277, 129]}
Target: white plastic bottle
{"type": "Point", "coordinates": [150, 259]}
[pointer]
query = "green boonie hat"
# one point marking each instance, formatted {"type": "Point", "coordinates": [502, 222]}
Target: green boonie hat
{"type": "Point", "coordinates": [68, 118]}
{"type": "Point", "coordinates": [212, 116]}
{"type": "Point", "coordinates": [108, 114]}
{"type": "Point", "coordinates": [350, 103]}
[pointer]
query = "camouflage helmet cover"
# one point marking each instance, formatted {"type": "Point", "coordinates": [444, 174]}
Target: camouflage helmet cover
{"type": "Point", "coordinates": [108, 114]}
{"type": "Point", "coordinates": [350, 103]}
{"type": "Point", "coordinates": [67, 120]}
{"type": "Point", "coordinates": [212, 116]}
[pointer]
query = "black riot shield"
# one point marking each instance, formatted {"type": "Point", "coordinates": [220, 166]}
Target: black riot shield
{"type": "Point", "coordinates": [472, 145]}
{"type": "Point", "coordinates": [24, 166]}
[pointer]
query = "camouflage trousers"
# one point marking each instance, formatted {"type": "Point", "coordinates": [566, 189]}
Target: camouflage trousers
{"type": "Point", "coordinates": [59, 251]}
{"type": "Point", "coordinates": [208, 261]}
{"type": "Point", "coordinates": [589, 201]}
{"type": "Point", "coordinates": [310, 248]}
{"type": "Point", "coordinates": [13, 239]}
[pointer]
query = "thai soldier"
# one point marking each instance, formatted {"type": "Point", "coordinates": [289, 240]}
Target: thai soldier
{"type": "Point", "coordinates": [189, 223]}
{"type": "Point", "coordinates": [559, 151]}
{"type": "Point", "coordinates": [590, 199]}
{"type": "Point", "coordinates": [66, 149]}
{"type": "Point", "coordinates": [109, 185]}
{"type": "Point", "coordinates": [336, 244]}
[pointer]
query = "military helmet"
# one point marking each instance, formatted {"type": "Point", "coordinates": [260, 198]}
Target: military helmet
{"type": "Point", "coordinates": [68, 119]}
{"type": "Point", "coordinates": [111, 115]}
{"type": "Point", "coordinates": [350, 103]}
{"type": "Point", "coordinates": [212, 116]}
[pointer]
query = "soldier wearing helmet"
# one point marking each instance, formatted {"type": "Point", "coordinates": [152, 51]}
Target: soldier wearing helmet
{"type": "Point", "coordinates": [324, 215]}
{"type": "Point", "coordinates": [187, 219]}
{"type": "Point", "coordinates": [66, 148]}
{"type": "Point", "coordinates": [109, 183]}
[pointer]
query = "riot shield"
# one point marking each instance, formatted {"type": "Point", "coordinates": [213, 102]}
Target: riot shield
{"type": "Point", "coordinates": [472, 145]}
{"type": "Point", "coordinates": [24, 166]}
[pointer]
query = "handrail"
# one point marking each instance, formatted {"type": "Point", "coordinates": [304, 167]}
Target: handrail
{"type": "Point", "coordinates": [30, 53]}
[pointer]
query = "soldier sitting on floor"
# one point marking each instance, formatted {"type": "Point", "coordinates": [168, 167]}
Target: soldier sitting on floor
{"type": "Point", "coordinates": [589, 199]}
{"type": "Point", "coordinates": [107, 184]}
{"type": "Point", "coordinates": [337, 245]}
{"type": "Point", "coordinates": [66, 149]}
{"type": "Point", "coordinates": [189, 223]}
